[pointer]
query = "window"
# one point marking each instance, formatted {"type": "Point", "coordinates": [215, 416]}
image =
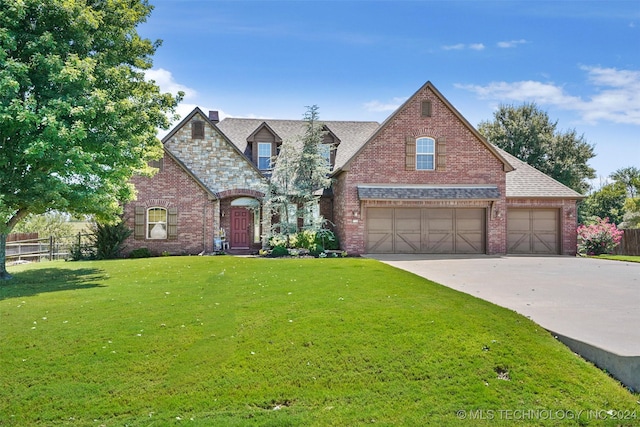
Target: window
{"type": "Point", "coordinates": [197, 130]}
{"type": "Point", "coordinates": [264, 155]}
{"type": "Point", "coordinates": [156, 223]}
{"type": "Point", "coordinates": [425, 153]}
{"type": "Point", "coordinates": [325, 152]}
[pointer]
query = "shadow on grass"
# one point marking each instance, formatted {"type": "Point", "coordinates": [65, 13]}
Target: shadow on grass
{"type": "Point", "coordinates": [34, 282]}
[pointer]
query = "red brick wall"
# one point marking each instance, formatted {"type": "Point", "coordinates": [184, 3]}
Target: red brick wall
{"type": "Point", "coordinates": [382, 161]}
{"type": "Point", "coordinates": [173, 187]}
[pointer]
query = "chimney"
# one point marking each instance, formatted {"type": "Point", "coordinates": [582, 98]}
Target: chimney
{"type": "Point", "coordinates": [213, 116]}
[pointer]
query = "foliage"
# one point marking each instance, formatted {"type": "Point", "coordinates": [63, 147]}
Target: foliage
{"type": "Point", "coordinates": [527, 133]}
{"type": "Point", "coordinates": [599, 237]}
{"type": "Point", "coordinates": [631, 219]}
{"type": "Point", "coordinates": [81, 251]}
{"type": "Point", "coordinates": [140, 253]}
{"type": "Point", "coordinates": [309, 238]}
{"type": "Point", "coordinates": [54, 224]}
{"type": "Point", "coordinates": [226, 341]}
{"type": "Point", "coordinates": [77, 116]}
{"type": "Point", "coordinates": [108, 239]}
{"type": "Point", "coordinates": [607, 202]}
{"type": "Point", "coordinates": [300, 172]}
{"type": "Point", "coordinates": [630, 177]}
{"type": "Point", "coordinates": [279, 251]}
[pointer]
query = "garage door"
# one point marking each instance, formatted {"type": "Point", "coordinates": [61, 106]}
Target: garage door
{"type": "Point", "coordinates": [412, 230]}
{"type": "Point", "coordinates": [532, 231]}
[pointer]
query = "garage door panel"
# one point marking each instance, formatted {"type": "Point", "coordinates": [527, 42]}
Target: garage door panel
{"type": "Point", "coordinates": [439, 243]}
{"type": "Point", "coordinates": [379, 226]}
{"type": "Point", "coordinates": [415, 230]}
{"type": "Point", "coordinates": [380, 243]}
{"type": "Point", "coordinates": [533, 231]}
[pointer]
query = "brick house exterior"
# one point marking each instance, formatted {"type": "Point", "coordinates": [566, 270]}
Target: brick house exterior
{"type": "Point", "coordinates": [423, 181]}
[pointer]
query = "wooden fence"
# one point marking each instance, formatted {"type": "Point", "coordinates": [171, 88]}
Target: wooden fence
{"type": "Point", "coordinates": [630, 244]}
{"type": "Point", "coordinates": [30, 247]}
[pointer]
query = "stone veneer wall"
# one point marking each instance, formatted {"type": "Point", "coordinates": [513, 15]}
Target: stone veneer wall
{"type": "Point", "coordinates": [214, 160]}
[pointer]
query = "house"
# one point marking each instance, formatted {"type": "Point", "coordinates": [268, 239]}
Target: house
{"type": "Point", "coordinates": [423, 181]}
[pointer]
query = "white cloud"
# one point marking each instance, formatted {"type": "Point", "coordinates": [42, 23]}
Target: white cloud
{"type": "Point", "coordinates": [459, 46]}
{"type": "Point", "coordinates": [165, 80]}
{"type": "Point", "coordinates": [511, 43]}
{"type": "Point", "coordinates": [462, 46]}
{"type": "Point", "coordinates": [378, 106]}
{"type": "Point", "coordinates": [616, 98]}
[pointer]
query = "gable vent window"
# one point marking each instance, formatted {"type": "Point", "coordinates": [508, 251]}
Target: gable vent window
{"type": "Point", "coordinates": [197, 130]}
{"type": "Point", "coordinates": [426, 108]}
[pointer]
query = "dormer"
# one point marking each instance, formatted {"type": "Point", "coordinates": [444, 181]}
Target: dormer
{"type": "Point", "coordinates": [265, 145]}
{"type": "Point", "coordinates": [329, 146]}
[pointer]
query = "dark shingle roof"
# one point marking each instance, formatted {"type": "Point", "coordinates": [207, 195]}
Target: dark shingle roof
{"type": "Point", "coordinates": [352, 135]}
{"type": "Point", "coordinates": [385, 192]}
{"type": "Point", "coordinates": [528, 182]}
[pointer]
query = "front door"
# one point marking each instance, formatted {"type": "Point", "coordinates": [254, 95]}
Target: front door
{"type": "Point", "coordinates": [240, 227]}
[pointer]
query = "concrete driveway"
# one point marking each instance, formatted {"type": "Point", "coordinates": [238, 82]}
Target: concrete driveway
{"type": "Point", "coordinates": [592, 305]}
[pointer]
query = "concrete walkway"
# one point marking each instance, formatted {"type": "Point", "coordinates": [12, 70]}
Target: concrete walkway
{"type": "Point", "coordinates": [592, 305]}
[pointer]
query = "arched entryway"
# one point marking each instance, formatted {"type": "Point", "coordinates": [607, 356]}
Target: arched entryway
{"type": "Point", "coordinates": [244, 223]}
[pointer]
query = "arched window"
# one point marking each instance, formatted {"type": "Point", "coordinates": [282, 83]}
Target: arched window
{"type": "Point", "coordinates": [156, 223]}
{"type": "Point", "coordinates": [425, 153]}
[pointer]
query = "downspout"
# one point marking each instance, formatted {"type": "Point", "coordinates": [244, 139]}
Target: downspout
{"type": "Point", "coordinates": [204, 229]}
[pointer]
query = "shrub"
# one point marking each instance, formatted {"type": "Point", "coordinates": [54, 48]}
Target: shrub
{"type": "Point", "coordinates": [108, 239]}
{"type": "Point", "coordinates": [140, 253]}
{"type": "Point", "coordinates": [598, 238]}
{"type": "Point", "coordinates": [279, 251]}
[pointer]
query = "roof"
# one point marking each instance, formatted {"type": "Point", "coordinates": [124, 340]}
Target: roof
{"type": "Point", "coordinates": [428, 85]}
{"type": "Point", "coordinates": [352, 134]}
{"type": "Point", "coordinates": [525, 181]}
{"type": "Point", "coordinates": [434, 192]}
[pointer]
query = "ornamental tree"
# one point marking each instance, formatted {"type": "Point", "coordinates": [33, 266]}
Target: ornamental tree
{"type": "Point", "coordinates": [77, 116]}
{"type": "Point", "coordinates": [300, 172]}
{"type": "Point", "coordinates": [599, 237]}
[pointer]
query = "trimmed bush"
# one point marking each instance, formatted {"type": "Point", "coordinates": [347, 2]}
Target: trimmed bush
{"type": "Point", "coordinates": [140, 253]}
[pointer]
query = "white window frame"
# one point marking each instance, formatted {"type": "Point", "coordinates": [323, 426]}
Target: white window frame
{"type": "Point", "coordinates": [154, 221]}
{"type": "Point", "coordinates": [263, 144]}
{"type": "Point", "coordinates": [425, 153]}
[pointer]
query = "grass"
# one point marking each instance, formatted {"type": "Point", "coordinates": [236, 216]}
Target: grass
{"type": "Point", "coordinates": [205, 341]}
{"type": "Point", "coordinates": [627, 258]}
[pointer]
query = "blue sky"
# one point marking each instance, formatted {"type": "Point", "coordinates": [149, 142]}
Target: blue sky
{"type": "Point", "coordinates": [359, 60]}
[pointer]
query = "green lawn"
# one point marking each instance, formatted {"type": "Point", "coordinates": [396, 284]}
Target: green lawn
{"type": "Point", "coordinates": [627, 258]}
{"type": "Point", "coordinates": [208, 341]}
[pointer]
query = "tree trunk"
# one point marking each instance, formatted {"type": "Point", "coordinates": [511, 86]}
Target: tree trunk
{"type": "Point", "coordinates": [4, 275]}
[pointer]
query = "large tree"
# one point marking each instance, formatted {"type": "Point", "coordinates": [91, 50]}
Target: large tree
{"type": "Point", "coordinates": [607, 202]}
{"type": "Point", "coordinates": [630, 177]}
{"type": "Point", "coordinates": [77, 117]}
{"type": "Point", "coordinates": [527, 132]}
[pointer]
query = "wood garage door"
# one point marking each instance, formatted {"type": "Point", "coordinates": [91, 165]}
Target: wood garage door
{"type": "Point", "coordinates": [413, 230]}
{"type": "Point", "coordinates": [532, 231]}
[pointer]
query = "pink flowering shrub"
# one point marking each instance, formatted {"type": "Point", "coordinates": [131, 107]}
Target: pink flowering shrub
{"type": "Point", "coordinates": [598, 238]}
